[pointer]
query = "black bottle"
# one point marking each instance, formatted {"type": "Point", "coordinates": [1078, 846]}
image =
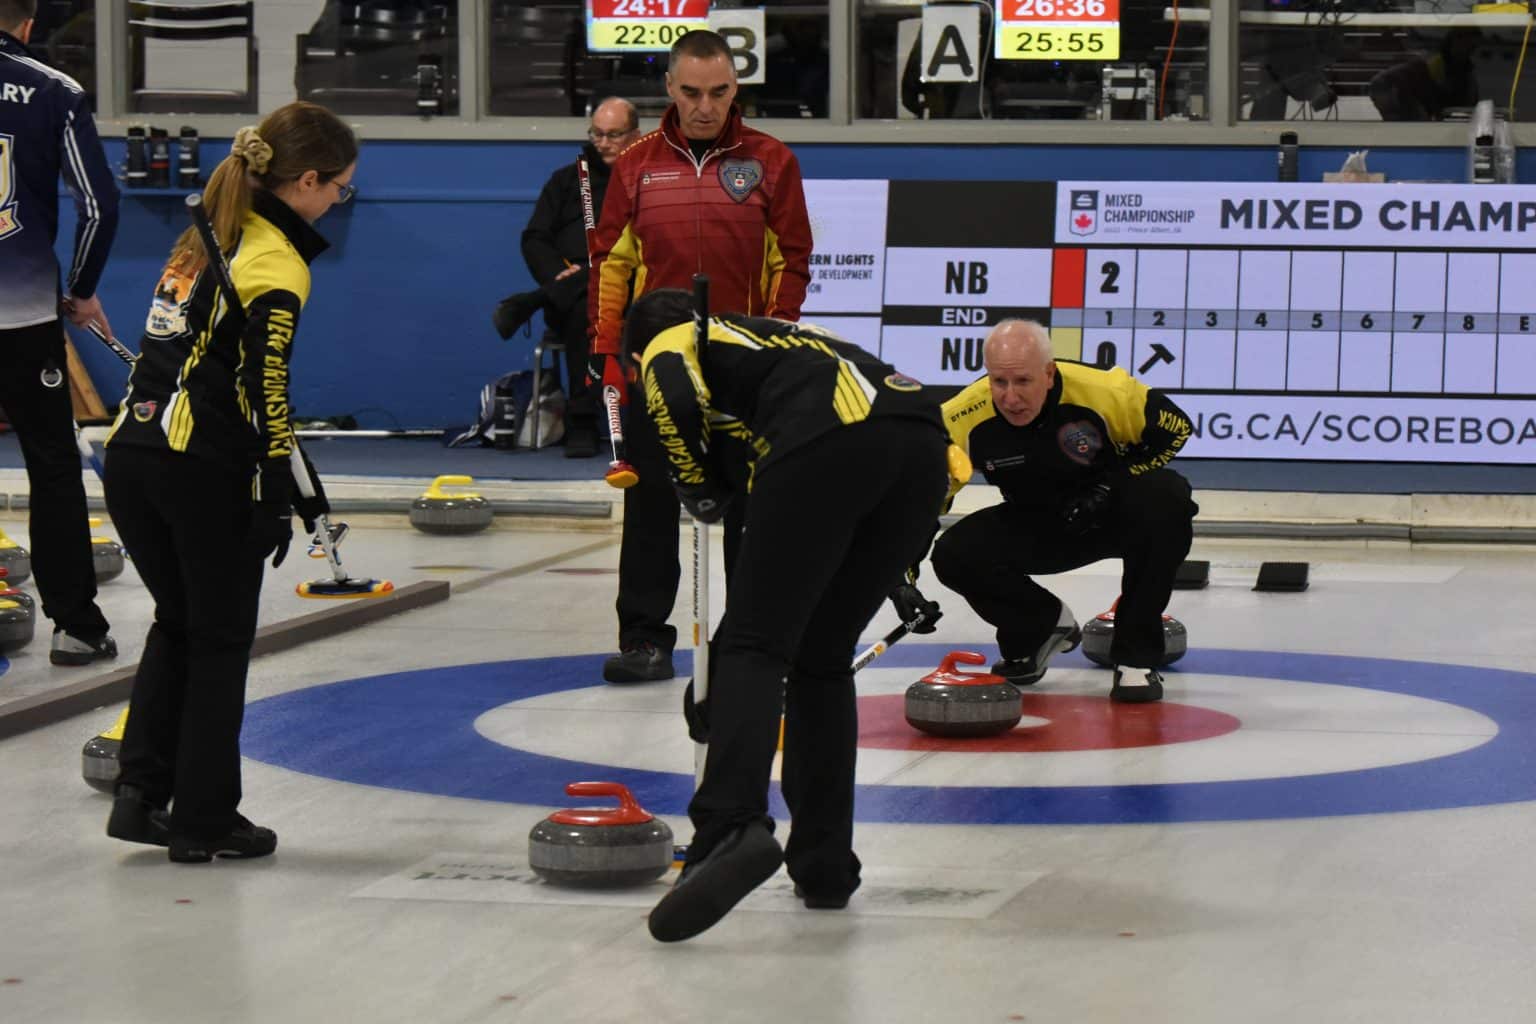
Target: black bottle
{"type": "Point", "coordinates": [1290, 169]}
{"type": "Point", "coordinates": [188, 169]}
{"type": "Point", "coordinates": [137, 174]}
{"type": "Point", "coordinates": [159, 158]}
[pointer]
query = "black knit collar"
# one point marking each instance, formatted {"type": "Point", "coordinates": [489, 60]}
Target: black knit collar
{"type": "Point", "coordinates": [304, 237]}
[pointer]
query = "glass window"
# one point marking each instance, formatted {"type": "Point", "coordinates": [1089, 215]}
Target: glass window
{"type": "Point", "coordinates": [381, 58]}
{"type": "Point", "coordinates": [186, 57]}
{"type": "Point", "coordinates": [541, 64]}
{"type": "Point", "coordinates": [1402, 60]}
{"type": "Point", "coordinates": [1041, 64]}
{"type": "Point", "coordinates": [64, 35]}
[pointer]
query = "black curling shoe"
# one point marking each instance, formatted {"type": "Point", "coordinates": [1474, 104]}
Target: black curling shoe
{"type": "Point", "coordinates": [1136, 685]}
{"type": "Point", "coordinates": [243, 841]}
{"type": "Point", "coordinates": [135, 820]}
{"type": "Point", "coordinates": [706, 891]}
{"type": "Point", "coordinates": [640, 663]}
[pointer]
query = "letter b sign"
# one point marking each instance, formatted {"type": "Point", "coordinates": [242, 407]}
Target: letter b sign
{"type": "Point", "coordinates": [744, 32]}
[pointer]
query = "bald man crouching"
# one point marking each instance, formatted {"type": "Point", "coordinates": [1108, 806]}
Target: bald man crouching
{"type": "Point", "coordinates": [1080, 455]}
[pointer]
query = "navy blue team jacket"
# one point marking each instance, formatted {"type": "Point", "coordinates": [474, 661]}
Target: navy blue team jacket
{"type": "Point", "coordinates": [46, 130]}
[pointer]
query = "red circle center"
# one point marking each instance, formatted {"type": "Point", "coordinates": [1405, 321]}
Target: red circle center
{"type": "Point", "coordinates": [1072, 723]}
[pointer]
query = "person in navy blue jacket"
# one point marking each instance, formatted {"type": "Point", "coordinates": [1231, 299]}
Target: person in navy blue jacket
{"type": "Point", "coordinates": [46, 131]}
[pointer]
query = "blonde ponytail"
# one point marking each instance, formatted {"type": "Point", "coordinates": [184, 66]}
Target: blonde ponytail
{"type": "Point", "coordinates": [296, 138]}
{"type": "Point", "coordinates": [227, 198]}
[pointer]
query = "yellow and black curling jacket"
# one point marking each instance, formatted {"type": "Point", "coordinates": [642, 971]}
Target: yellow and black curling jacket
{"type": "Point", "coordinates": [1095, 425]}
{"type": "Point", "coordinates": [209, 382]}
{"type": "Point", "coordinates": [770, 384]}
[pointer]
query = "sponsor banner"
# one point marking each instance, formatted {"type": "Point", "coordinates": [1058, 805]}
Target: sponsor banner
{"type": "Point", "coordinates": [848, 247]}
{"type": "Point", "coordinates": [1360, 428]}
{"type": "Point", "coordinates": [885, 892]}
{"type": "Point", "coordinates": [1296, 215]}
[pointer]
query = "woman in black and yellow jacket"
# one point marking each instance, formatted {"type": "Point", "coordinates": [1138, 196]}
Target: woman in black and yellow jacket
{"type": "Point", "coordinates": [198, 478]}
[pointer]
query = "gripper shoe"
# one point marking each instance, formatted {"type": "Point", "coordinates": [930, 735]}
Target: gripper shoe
{"type": "Point", "coordinates": [638, 663]}
{"type": "Point", "coordinates": [1136, 685]}
{"type": "Point", "coordinates": [135, 820]}
{"type": "Point", "coordinates": [243, 841]}
{"type": "Point", "coordinates": [1028, 671]}
{"type": "Point", "coordinates": [707, 890]}
{"type": "Point", "coordinates": [69, 649]}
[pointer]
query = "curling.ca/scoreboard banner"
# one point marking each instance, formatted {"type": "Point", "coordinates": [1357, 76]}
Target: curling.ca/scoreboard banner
{"type": "Point", "coordinates": [1354, 322]}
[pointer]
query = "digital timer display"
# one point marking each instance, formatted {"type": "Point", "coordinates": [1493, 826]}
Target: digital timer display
{"type": "Point", "coordinates": [1058, 30]}
{"type": "Point", "coordinates": [627, 26]}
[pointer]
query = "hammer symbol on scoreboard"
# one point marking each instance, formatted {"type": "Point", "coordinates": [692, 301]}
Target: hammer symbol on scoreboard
{"type": "Point", "coordinates": [1159, 355]}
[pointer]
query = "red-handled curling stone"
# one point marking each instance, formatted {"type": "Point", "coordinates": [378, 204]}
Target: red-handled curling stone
{"type": "Point", "coordinates": [1099, 634]}
{"type": "Point", "coordinates": [600, 847]}
{"type": "Point", "coordinates": [948, 702]}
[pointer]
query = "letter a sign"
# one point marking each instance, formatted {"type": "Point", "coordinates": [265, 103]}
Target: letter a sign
{"type": "Point", "coordinates": [951, 40]}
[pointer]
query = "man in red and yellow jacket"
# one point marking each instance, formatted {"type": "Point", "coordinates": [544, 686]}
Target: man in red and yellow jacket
{"type": "Point", "coordinates": [702, 194]}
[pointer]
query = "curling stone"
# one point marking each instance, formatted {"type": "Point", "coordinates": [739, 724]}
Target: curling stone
{"type": "Point", "coordinates": [600, 847]}
{"type": "Point", "coordinates": [1099, 633]}
{"type": "Point", "coordinates": [14, 560]}
{"type": "Point", "coordinates": [948, 702]}
{"type": "Point", "coordinates": [17, 622]}
{"type": "Point", "coordinates": [443, 508]}
{"type": "Point", "coordinates": [107, 555]}
{"type": "Point", "coordinates": [21, 597]}
{"type": "Point", "coordinates": [98, 759]}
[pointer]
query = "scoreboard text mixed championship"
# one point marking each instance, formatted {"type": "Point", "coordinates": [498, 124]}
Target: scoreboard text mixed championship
{"type": "Point", "coordinates": [1358, 322]}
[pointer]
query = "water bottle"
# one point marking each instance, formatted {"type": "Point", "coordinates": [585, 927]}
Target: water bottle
{"type": "Point", "coordinates": [137, 175]}
{"type": "Point", "coordinates": [1290, 169]}
{"type": "Point", "coordinates": [189, 171]}
{"type": "Point", "coordinates": [159, 158]}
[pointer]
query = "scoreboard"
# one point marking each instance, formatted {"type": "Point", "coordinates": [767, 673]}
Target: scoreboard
{"type": "Point", "coordinates": [639, 26]}
{"type": "Point", "coordinates": [1057, 30]}
{"type": "Point", "coordinates": [1336, 322]}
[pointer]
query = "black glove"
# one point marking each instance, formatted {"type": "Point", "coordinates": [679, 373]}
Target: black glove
{"type": "Point", "coordinates": [706, 502]}
{"type": "Point", "coordinates": [310, 509]}
{"type": "Point", "coordinates": [1084, 511]}
{"type": "Point", "coordinates": [696, 715]}
{"type": "Point", "coordinates": [271, 530]}
{"type": "Point", "coordinates": [912, 606]}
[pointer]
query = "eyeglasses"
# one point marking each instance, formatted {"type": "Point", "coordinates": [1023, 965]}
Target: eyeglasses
{"type": "Point", "coordinates": [347, 191]}
{"type": "Point", "coordinates": [597, 136]}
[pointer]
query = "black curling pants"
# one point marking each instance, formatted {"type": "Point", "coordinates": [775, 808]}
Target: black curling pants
{"type": "Point", "coordinates": [565, 310]}
{"type": "Point", "coordinates": [648, 567]}
{"type": "Point", "coordinates": [186, 522]}
{"type": "Point", "coordinates": [829, 532]}
{"type": "Point", "coordinates": [34, 389]}
{"type": "Point", "coordinates": [989, 556]}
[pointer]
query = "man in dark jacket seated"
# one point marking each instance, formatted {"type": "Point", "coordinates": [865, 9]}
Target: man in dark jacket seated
{"type": "Point", "coordinates": [555, 249]}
